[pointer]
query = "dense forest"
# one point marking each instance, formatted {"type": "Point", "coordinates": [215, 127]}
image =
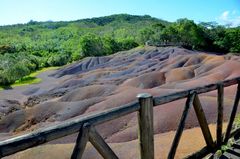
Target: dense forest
{"type": "Point", "coordinates": [25, 48]}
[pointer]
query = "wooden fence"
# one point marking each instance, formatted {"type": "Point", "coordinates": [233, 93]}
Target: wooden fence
{"type": "Point", "coordinates": [144, 106]}
{"type": "Point", "coordinates": [166, 44]}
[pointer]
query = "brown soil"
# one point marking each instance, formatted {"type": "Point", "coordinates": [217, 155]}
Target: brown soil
{"type": "Point", "coordinates": [99, 83]}
{"type": "Point", "coordinates": [191, 141]}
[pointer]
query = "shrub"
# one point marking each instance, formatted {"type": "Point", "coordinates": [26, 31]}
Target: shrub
{"type": "Point", "coordinates": [58, 60]}
{"type": "Point", "coordinates": [92, 45]}
{"type": "Point", "coordinates": [10, 75]}
{"type": "Point", "coordinates": [7, 49]}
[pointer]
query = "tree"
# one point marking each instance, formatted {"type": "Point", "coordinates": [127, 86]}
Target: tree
{"type": "Point", "coordinates": [169, 34]}
{"type": "Point", "coordinates": [126, 44]}
{"type": "Point", "coordinates": [92, 45]}
{"type": "Point", "coordinates": [232, 40]}
{"type": "Point", "coordinates": [58, 60]}
{"type": "Point", "coordinates": [10, 75]}
{"type": "Point", "coordinates": [190, 33]}
{"type": "Point", "coordinates": [110, 45]}
{"type": "Point", "coordinates": [146, 34]}
{"type": "Point", "coordinates": [7, 49]}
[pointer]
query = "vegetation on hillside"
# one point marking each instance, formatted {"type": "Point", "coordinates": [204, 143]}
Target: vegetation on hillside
{"type": "Point", "coordinates": [25, 48]}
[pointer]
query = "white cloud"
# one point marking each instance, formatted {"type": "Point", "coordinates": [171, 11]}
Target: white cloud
{"type": "Point", "coordinates": [224, 15]}
{"type": "Point", "coordinates": [230, 18]}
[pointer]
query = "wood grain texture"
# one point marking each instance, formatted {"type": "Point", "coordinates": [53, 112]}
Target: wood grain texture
{"type": "Point", "coordinates": [233, 114]}
{"type": "Point", "coordinates": [145, 122]}
{"type": "Point", "coordinates": [81, 141]}
{"type": "Point", "coordinates": [181, 125]}
{"type": "Point", "coordinates": [69, 127]}
{"type": "Point", "coordinates": [203, 122]}
{"type": "Point", "coordinates": [101, 146]}
{"type": "Point", "coordinates": [220, 114]}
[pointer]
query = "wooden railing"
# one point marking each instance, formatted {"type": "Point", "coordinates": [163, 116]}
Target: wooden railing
{"type": "Point", "coordinates": [165, 44]}
{"type": "Point", "coordinates": [144, 106]}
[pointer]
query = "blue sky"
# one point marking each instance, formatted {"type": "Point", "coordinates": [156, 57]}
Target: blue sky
{"type": "Point", "coordinates": [22, 11]}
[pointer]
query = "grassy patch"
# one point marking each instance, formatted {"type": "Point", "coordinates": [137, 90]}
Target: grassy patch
{"type": "Point", "coordinates": [237, 121]}
{"type": "Point", "coordinates": [5, 87]}
{"type": "Point", "coordinates": [29, 79]}
{"type": "Point", "coordinates": [34, 74]}
{"type": "Point", "coordinates": [26, 81]}
{"type": "Point", "coordinates": [236, 125]}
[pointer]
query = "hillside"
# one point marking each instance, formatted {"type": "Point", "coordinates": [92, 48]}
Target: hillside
{"type": "Point", "coordinates": [25, 48]}
{"type": "Point", "coordinates": [99, 83]}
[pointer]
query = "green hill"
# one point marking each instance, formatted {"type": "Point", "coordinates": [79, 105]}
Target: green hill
{"type": "Point", "coordinates": [25, 48]}
{"type": "Point", "coordinates": [28, 47]}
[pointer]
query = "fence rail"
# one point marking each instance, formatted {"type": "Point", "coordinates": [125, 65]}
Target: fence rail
{"type": "Point", "coordinates": [144, 106]}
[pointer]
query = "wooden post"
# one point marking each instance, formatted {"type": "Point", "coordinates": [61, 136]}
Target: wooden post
{"type": "Point", "coordinates": [220, 114]}
{"type": "Point", "coordinates": [181, 125]}
{"type": "Point", "coordinates": [199, 154]}
{"type": "Point", "coordinates": [233, 114]}
{"type": "Point", "coordinates": [99, 143]}
{"type": "Point", "coordinates": [203, 122]}
{"type": "Point", "coordinates": [145, 122]}
{"type": "Point", "coordinates": [81, 142]}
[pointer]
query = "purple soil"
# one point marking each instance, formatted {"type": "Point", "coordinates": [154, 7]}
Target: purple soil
{"type": "Point", "coordinates": [100, 83]}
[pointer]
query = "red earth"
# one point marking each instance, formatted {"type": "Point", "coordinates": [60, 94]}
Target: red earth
{"type": "Point", "coordinates": [98, 83]}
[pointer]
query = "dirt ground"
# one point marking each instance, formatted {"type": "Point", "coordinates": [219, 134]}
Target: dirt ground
{"type": "Point", "coordinates": [96, 84]}
{"type": "Point", "coordinates": [191, 141]}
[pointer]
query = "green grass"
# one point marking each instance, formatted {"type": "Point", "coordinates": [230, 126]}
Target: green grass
{"type": "Point", "coordinates": [26, 81]}
{"type": "Point", "coordinates": [237, 121]}
{"type": "Point", "coordinates": [229, 144]}
{"type": "Point", "coordinates": [29, 79]}
{"type": "Point", "coordinates": [34, 74]}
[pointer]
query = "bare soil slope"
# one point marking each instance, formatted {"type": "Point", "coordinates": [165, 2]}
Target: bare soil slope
{"type": "Point", "coordinates": [99, 83]}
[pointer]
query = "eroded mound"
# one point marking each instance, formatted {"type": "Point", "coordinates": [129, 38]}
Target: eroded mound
{"type": "Point", "coordinates": [99, 83]}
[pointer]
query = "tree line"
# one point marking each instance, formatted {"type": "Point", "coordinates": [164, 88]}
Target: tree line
{"type": "Point", "coordinates": [25, 48]}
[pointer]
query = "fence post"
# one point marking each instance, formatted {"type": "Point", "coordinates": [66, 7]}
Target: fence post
{"type": "Point", "coordinates": [181, 125]}
{"type": "Point", "coordinates": [203, 122]}
{"type": "Point", "coordinates": [145, 122]}
{"type": "Point", "coordinates": [220, 114]}
{"type": "Point", "coordinates": [102, 147]}
{"type": "Point", "coordinates": [81, 141]}
{"type": "Point", "coordinates": [233, 114]}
